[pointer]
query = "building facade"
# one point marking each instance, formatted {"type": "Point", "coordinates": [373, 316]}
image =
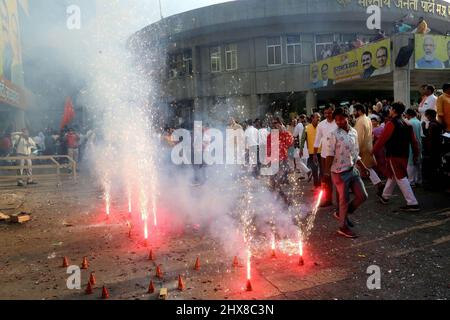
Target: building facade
{"type": "Point", "coordinates": [246, 58]}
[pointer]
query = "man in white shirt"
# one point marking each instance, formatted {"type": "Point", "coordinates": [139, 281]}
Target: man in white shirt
{"type": "Point", "coordinates": [23, 146]}
{"type": "Point", "coordinates": [343, 156]}
{"type": "Point", "coordinates": [298, 133]}
{"type": "Point", "coordinates": [429, 101]}
{"type": "Point", "coordinates": [251, 146]}
{"type": "Point", "coordinates": [323, 130]}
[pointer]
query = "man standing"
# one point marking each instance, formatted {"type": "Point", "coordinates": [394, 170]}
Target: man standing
{"type": "Point", "coordinates": [323, 130]}
{"type": "Point", "coordinates": [298, 163]}
{"type": "Point", "coordinates": [432, 151]}
{"type": "Point", "coordinates": [309, 137]}
{"type": "Point", "coordinates": [23, 146]}
{"type": "Point", "coordinates": [342, 158]}
{"type": "Point", "coordinates": [73, 142]}
{"type": "Point", "coordinates": [251, 146]}
{"type": "Point", "coordinates": [397, 138]}
{"type": "Point", "coordinates": [414, 169]}
{"type": "Point", "coordinates": [285, 141]}
{"type": "Point", "coordinates": [443, 107]}
{"type": "Point", "coordinates": [363, 127]}
{"type": "Point", "coordinates": [429, 100]}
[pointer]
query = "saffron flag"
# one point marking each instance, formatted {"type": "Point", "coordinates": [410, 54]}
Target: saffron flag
{"type": "Point", "coordinates": [69, 113]}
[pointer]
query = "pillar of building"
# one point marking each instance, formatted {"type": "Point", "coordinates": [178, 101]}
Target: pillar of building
{"type": "Point", "coordinates": [401, 75]}
{"type": "Point", "coordinates": [311, 101]}
{"type": "Point", "coordinates": [19, 119]}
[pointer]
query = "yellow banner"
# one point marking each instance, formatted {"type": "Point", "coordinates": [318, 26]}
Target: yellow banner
{"type": "Point", "coordinates": [432, 52]}
{"type": "Point", "coordinates": [11, 66]}
{"type": "Point", "coordinates": [363, 63]}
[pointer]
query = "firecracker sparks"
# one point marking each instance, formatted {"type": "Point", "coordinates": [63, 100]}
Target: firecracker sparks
{"type": "Point", "coordinates": [108, 201]}
{"type": "Point", "coordinates": [249, 266]}
{"type": "Point", "coordinates": [273, 246]}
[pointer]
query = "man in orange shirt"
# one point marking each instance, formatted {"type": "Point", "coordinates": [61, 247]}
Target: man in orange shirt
{"type": "Point", "coordinates": [443, 107]}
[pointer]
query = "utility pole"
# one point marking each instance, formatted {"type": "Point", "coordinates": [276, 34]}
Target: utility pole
{"type": "Point", "coordinates": [160, 10]}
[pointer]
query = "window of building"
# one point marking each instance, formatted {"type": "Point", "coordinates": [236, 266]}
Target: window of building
{"type": "Point", "coordinates": [323, 43]}
{"type": "Point", "coordinates": [216, 59]}
{"type": "Point", "coordinates": [293, 50]}
{"type": "Point", "coordinates": [180, 64]}
{"type": "Point", "coordinates": [274, 51]}
{"type": "Point", "coordinates": [231, 57]}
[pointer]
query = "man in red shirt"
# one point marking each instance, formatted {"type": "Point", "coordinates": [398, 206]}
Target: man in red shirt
{"type": "Point", "coordinates": [72, 141]}
{"type": "Point", "coordinates": [285, 141]}
{"type": "Point", "coordinates": [397, 138]}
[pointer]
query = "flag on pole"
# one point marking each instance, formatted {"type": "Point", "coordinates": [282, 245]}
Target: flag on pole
{"type": "Point", "coordinates": [69, 113]}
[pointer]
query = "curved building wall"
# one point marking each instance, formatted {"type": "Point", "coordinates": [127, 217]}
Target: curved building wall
{"type": "Point", "coordinates": [254, 31]}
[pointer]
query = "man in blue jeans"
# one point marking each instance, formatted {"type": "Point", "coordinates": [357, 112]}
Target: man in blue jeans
{"type": "Point", "coordinates": [342, 158]}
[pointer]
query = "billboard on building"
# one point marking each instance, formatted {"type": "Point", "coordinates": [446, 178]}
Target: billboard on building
{"type": "Point", "coordinates": [432, 51]}
{"type": "Point", "coordinates": [11, 65]}
{"type": "Point", "coordinates": [366, 62]}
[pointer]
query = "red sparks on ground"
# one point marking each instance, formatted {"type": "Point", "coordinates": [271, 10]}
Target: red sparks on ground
{"type": "Point", "coordinates": [301, 262]}
{"type": "Point", "coordinates": [273, 247]}
{"type": "Point", "coordinates": [108, 204]}
{"type": "Point", "coordinates": [249, 271]}
{"type": "Point", "coordinates": [319, 200]}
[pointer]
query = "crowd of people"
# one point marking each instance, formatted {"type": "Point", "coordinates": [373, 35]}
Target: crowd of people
{"type": "Point", "coordinates": [68, 141]}
{"type": "Point", "coordinates": [340, 47]}
{"type": "Point", "coordinates": [385, 143]}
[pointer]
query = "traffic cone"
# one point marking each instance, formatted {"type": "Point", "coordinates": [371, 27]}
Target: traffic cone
{"type": "Point", "coordinates": [65, 262]}
{"type": "Point", "coordinates": [180, 283]}
{"type": "Point", "coordinates": [249, 285]}
{"type": "Point", "coordinates": [89, 288]}
{"type": "Point", "coordinates": [159, 273]}
{"type": "Point", "coordinates": [105, 293]}
{"type": "Point", "coordinates": [92, 279]}
{"type": "Point", "coordinates": [151, 256]}
{"type": "Point", "coordinates": [85, 263]}
{"type": "Point", "coordinates": [301, 262]}
{"type": "Point", "coordinates": [151, 287]}
{"type": "Point", "coordinates": [274, 255]}
{"type": "Point", "coordinates": [197, 264]}
{"type": "Point", "coordinates": [235, 262]}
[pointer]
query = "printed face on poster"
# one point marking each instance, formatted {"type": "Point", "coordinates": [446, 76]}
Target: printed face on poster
{"type": "Point", "coordinates": [363, 63]}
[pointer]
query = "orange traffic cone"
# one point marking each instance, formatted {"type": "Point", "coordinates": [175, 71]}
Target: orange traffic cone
{"type": "Point", "coordinates": [197, 264]}
{"type": "Point", "coordinates": [249, 285]}
{"type": "Point", "coordinates": [89, 288]}
{"type": "Point", "coordinates": [85, 263]}
{"type": "Point", "coordinates": [235, 262]}
{"type": "Point", "coordinates": [151, 287]}
{"type": "Point", "coordinates": [151, 256]}
{"type": "Point", "coordinates": [65, 262]}
{"type": "Point", "coordinates": [180, 283]}
{"type": "Point", "coordinates": [301, 262]}
{"type": "Point", "coordinates": [105, 293]}
{"type": "Point", "coordinates": [159, 273]}
{"type": "Point", "coordinates": [92, 279]}
{"type": "Point", "coordinates": [274, 255]}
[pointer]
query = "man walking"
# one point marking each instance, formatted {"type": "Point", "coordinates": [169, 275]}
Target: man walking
{"type": "Point", "coordinates": [415, 169]}
{"type": "Point", "coordinates": [363, 127]}
{"type": "Point", "coordinates": [323, 130]}
{"type": "Point", "coordinates": [308, 138]}
{"type": "Point", "coordinates": [397, 138]}
{"type": "Point", "coordinates": [342, 158]}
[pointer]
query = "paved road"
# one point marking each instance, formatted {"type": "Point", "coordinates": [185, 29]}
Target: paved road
{"type": "Point", "coordinates": [411, 250]}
